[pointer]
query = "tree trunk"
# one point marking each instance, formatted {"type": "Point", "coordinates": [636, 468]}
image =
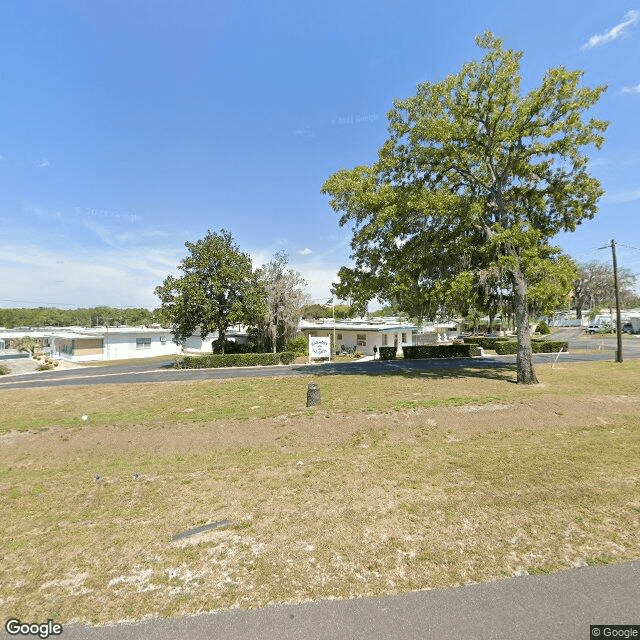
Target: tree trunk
{"type": "Point", "coordinates": [524, 364]}
{"type": "Point", "coordinates": [274, 335]}
{"type": "Point", "coordinates": [222, 336]}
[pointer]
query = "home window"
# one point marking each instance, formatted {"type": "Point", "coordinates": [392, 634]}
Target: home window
{"type": "Point", "coordinates": [143, 343]}
{"type": "Point", "coordinates": [338, 336]}
{"type": "Point", "coordinates": [361, 339]}
{"type": "Point", "coordinates": [384, 339]}
{"type": "Point", "coordinates": [404, 337]}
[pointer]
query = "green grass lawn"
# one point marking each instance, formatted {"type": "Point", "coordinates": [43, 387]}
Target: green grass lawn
{"type": "Point", "coordinates": [396, 483]}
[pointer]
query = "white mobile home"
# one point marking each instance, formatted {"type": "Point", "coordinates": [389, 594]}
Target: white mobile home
{"type": "Point", "coordinates": [237, 333]}
{"type": "Point", "coordinates": [112, 343]}
{"type": "Point", "coordinates": [361, 335]}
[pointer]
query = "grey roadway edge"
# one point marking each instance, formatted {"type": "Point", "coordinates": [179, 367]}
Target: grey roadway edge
{"type": "Point", "coordinates": [559, 606]}
{"type": "Point", "coordinates": [80, 373]}
{"type": "Point", "coordinates": [115, 370]}
{"type": "Point", "coordinates": [69, 377]}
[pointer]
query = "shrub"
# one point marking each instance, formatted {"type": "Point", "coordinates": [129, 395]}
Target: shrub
{"type": "Point", "coordinates": [537, 346]}
{"type": "Point", "coordinates": [299, 345]}
{"type": "Point", "coordinates": [543, 328]}
{"type": "Point", "coordinates": [387, 353]}
{"type": "Point", "coordinates": [3, 370]}
{"type": "Point", "coordinates": [437, 351]}
{"type": "Point", "coordinates": [549, 346]}
{"type": "Point", "coordinates": [507, 347]}
{"type": "Point", "coordinates": [214, 360]}
{"type": "Point", "coordinates": [485, 343]}
{"type": "Point", "coordinates": [229, 347]}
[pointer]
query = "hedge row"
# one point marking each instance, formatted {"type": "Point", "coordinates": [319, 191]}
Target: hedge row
{"type": "Point", "coordinates": [437, 351]}
{"type": "Point", "coordinates": [485, 343]}
{"type": "Point", "coordinates": [537, 346]}
{"type": "Point", "coordinates": [387, 353]}
{"type": "Point", "coordinates": [215, 360]}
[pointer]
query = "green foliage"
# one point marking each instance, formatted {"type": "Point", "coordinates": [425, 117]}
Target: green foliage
{"type": "Point", "coordinates": [389, 310]}
{"type": "Point", "coordinates": [473, 318]}
{"type": "Point", "coordinates": [387, 353]}
{"type": "Point", "coordinates": [485, 343]}
{"type": "Point", "coordinates": [232, 347]}
{"type": "Point", "coordinates": [312, 311]}
{"type": "Point", "coordinates": [218, 289]}
{"type": "Point", "coordinates": [4, 370]}
{"type": "Point", "coordinates": [83, 317]}
{"type": "Point", "coordinates": [550, 280]}
{"type": "Point", "coordinates": [473, 181]}
{"type": "Point", "coordinates": [543, 328]}
{"type": "Point", "coordinates": [212, 361]}
{"type": "Point", "coordinates": [299, 345]}
{"type": "Point", "coordinates": [538, 346]}
{"type": "Point", "coordinates": [437, 351]}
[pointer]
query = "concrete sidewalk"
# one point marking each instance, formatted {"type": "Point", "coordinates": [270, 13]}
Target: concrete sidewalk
{"type": "Point", "coordinates": [554, 607]}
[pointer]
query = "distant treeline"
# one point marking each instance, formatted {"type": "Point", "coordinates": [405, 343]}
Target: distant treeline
{"type": "Point", "coordinates": [343, 311]}
{"type": "Point", "coordinates": [91, 317]}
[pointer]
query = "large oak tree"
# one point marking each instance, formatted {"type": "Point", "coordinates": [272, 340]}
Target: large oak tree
{"type": "Point", "coordinates": [475, 175]}
{"type": "Point", "coordinates": [217, 289]}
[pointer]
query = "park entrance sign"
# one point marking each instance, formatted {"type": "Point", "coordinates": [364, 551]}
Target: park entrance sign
{"type": "Point", "coordinates": [319, 347]}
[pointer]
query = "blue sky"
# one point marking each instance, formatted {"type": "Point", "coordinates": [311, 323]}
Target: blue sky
{"type": "Point", "coordinates": [129, 127]}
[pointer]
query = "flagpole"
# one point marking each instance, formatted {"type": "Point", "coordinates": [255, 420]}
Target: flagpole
{"type": "Point", "coordinates": [333, 309]}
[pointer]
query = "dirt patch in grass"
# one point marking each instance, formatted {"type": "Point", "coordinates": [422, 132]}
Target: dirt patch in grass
{"type": "Point", "coordinates": [444, 483]}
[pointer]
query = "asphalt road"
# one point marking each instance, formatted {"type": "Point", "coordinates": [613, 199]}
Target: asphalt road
{"type": "Point", "coordinates": [148, 373]}
{"type": "Point", "coordinates": [560, 606]}
{"type": "Point", "coordinates": [151, 373]}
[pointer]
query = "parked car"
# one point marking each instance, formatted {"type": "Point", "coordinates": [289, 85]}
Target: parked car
{"type": "Point", "coordinates": [600, 328]}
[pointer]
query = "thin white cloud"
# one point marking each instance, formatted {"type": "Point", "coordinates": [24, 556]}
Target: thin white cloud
{"type": "Point", "coordinates": [635, 89]}
{"type": "Point", "coordinates": [42, 164]}
{"type": "Point", "coordinates": [304, 132]}
{"type": "Point", "coordinates": [613, 34]}
{"type": "Point", "coordinates": [116, 278]}
{"type": "Point", "coordinates": [623, 197]}
{"type": "Point", "coordinates": [615, 160]}
{"type": "Point", "coordinates": [305, 252]}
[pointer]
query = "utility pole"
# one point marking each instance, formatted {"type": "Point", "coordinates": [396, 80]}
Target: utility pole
{"type": "Point", "coordinates": [615, 285]}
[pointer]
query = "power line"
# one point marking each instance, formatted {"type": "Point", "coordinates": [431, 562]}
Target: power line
{"type": "Point", "coordinates": [587, 252]}
{"type": "Point", "coordinates": [628, 246]}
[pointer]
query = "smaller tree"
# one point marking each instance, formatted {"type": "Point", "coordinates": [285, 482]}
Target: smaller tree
{"type": "Point", "coordinates": [284, 297]}
{"type": "Point", "coordinates": [594, 286]}
{"type": "Point", "coordinates": [218, 289]}
{"type": "Point", "coordinates": [473, 319]}
{"type": "Point", "coordinates": [26, 344]}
